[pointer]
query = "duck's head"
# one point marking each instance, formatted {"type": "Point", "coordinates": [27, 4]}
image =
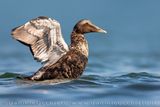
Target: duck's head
{"type": "Point", "coordinates": [86, 26]}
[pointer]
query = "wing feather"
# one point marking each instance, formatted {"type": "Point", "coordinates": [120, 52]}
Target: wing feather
{"type": "Point", "coordinates": [43, 36]}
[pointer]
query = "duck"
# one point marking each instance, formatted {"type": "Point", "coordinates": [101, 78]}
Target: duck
{"type": "Point", "coordinates": [44, 38]}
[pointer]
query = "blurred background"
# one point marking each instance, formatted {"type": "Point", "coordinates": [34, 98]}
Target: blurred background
{"type": "Point", "coordinates": [133, 25]}
{"type": "Point", "coordinates": [123, 64]}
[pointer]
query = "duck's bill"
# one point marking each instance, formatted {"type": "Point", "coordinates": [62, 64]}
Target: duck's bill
{"type": "Point", "coordinates": [98, 29]}
{"type": "Point", "coordinates": [101, 30]}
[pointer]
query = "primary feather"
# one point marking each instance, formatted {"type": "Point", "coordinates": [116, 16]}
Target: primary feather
{"type": "Point", "coordinates": [43, 36]}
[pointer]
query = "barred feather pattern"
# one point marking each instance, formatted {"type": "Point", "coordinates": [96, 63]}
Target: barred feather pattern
{"type": "Point", "coordinates": [43, 36]}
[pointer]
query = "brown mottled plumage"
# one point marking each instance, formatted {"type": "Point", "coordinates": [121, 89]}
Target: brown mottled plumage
{"type": "Point", "coordinates": [71, 63]}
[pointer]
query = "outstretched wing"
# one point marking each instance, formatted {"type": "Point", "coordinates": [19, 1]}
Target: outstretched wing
{"type": "Point", "coordinates": [43, 36]}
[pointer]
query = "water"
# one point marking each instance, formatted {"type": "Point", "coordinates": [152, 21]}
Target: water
{"type": "Point", "coordinates": [123, 68]}
{"type": "Point", "coordinates": [113, 80]}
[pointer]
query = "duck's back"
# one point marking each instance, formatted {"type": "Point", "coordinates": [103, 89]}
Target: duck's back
{"type": "Point", "coordinates": [70, 66]}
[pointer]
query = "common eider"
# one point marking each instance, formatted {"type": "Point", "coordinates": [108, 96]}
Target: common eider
{"type": "Point", "coordinates": [44, 38]}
